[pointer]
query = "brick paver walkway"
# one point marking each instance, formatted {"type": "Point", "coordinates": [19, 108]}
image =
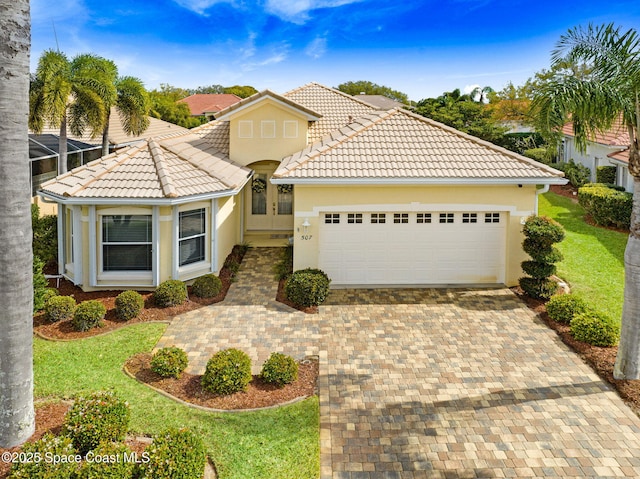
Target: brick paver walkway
{"type": "Point", "coordinates": [422, 383]}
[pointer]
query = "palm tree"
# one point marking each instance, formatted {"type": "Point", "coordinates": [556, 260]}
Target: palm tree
{"type": "Point", "coordinates": [70, 94]}
{"type": "Point", "coordinates": [132, 104]}
{"type": "Point", "coordinates": [481, 94]}
{"type": "Point", "coordinates": [16, 292]}
{"type": "Point", "coordinates": [610, 90]}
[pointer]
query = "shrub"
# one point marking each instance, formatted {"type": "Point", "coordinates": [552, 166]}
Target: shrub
{"type": "Point", "coordinates": [279, 369]}
{"type": "Point", "coordinates": [307, 287]}
{"type": "Point", "coordinates": [128, 305]}
{"type": "Point", "coordinates": [45, 235]}
{"type": "Point", "coordinates": [122, 467]}
{"type": "Point", "coordinates": [577, 174]}
{"type": "Point", "coordinates": [538, 288]}
{"type": "Point", "coordinates": [538, 154]}
{"type": "Point", "coordinates": [540, 235]}
{"type": "Point", "coordinates": [50, 293]}
{"type": "Point", "coordinates": [88, 314]}
{"type": "Point", "coordinates": [563, 307]}
{"type": "Point", "coordinates": [174, 454]}
{"type": "Point", "coordinates": [60, 308]}
{"type": "Point", "coordinates": [100, 417]}
{"type": "Point", "coordinates": [228, 371]}
{"type": "Point", "coordinates": [39, 285]}
{"type": "Point", "coordinates": [606, 174]}
{"type": "Point", "coordinates": [169, 362]}
{"type": "Point", "coordinates": [170, 293]}
{"type": "Point", "coordinates": [206, 286]}
{"type": "Point", "coordinates": [595, 328]}
{"type": "Point", "coordinates": [49, 446]}
{"type": "Point", "coordinates": [606, 206]}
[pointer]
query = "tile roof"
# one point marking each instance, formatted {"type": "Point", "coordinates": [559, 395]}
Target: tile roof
{"type": "Point", "coordinates": [201, 103]}
{"type": "Point", "coordinates": [311, 114]}
{"type": "Point", "coordinates": [622, 156]}
{"type": "Point", "coordinates": [381, 102]}
{"type": "Point", "coordinates": [173, 166]}
{"type": "Point", "coordinates": [215, 132]}
{"type": "Point", "coordinates": [337, 108]}
{"type": "Point", "coordinates": [400, 145]}
{"type": "Point", "coordinates": [617, 135]}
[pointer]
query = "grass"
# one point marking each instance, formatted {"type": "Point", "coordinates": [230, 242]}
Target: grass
{"type": "Point", "coordinates": [277, 443]}
{"type": "Point", "coordinates": [593, 262]}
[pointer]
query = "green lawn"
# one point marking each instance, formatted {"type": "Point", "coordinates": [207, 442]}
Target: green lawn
{"type": "Point", "coordinates": [593, 257]}
{"type": "Point", "coordinates": [277, 443]}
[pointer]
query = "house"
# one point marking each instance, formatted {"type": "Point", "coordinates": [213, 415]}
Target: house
{"type": "Point", "coordinates": [371, 197]}
{"type": "Point", "coordinates": [208, 104]}
{"type": "Point", "coordinates": [381, 102]}
{"type": "Point", "coordinates": [604, 149]}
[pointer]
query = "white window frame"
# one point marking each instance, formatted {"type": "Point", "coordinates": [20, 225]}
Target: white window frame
{"type": "Point", "coordinates": [290, 129]}
{"type": "Point", "coordinates": [202, 235]}
{"type": "Point", "coordinates": [198, 268]}
{"type": "Point", "coordinates": [245, 129]}
{"type": "Point", "coordinates": [268, 129]}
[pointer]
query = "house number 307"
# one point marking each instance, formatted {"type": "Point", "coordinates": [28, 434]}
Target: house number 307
{"type": "Point", "coordinates": [306, 237]}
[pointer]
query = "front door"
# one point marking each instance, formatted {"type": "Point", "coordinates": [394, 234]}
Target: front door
{"type": "Point", "coordinates": [268, 207]}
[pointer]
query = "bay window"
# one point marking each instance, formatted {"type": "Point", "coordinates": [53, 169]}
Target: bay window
{"type": "Point", "coordinates": [126, 243]}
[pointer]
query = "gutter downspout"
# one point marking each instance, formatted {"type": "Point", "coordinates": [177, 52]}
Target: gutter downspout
{"type": "Point", "coordinates": [540, 191]}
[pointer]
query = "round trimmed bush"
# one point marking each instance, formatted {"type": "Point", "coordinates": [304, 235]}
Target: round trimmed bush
{"type": "Point", "coordinates": [206, 286]}
{"type": "Point", "coordinates": [118, 468]}
{"type": "Point", "coordinates": [169, 362]}
{"type": "Point", "coordinates": [88, 314]}
{"type": "Point", "coordinates": [128, 305]}
{"type": "Point", "coordinates": [174, 454]}
{"type": "Point", "coordinates": [227, 372]}
{"type": "Point", "coordinates": [539, 252]}
{"type": "Point", "coordinates": [59, 308]}
{"type": "Point", "coordinates": [563, 307]}
{"type": "Point", "coordinates": [307, 287]}
{"type": "Point", "coordinates": [48, 446]}
{"type": "Point", "coordinates": [49, 293]}
{"type": "Point", "coordinates": [538, 288]}
{"type": "Point", "coordinates": [538, 269]}
{"type": "Point", "coordinates": [170, 293]}
{"type": "Point", "coordinates": [279, 369]}
{"type": "Point", "coordinates": [595, 328]}
{"type": "Point", "coordinates": [97, 418]}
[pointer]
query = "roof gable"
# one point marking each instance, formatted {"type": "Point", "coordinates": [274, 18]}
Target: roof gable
{"type": "Point", "coordinates": [398, 145]}
{"type": "Point", "coordinates": [267, 95]}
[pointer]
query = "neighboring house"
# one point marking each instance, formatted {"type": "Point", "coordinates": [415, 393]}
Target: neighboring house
{"type": "Point", "coordinates": [371, 197]}
{"type": "Point", "coordinates": [381, 102]}
{"type": "Point", "coordinates": [603, 150]}
{"type": "Point", "coordinates": [208, 104]}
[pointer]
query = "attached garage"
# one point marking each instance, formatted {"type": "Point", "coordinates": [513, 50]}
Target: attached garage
{"type": "Point", "coordinates": [413, 248]}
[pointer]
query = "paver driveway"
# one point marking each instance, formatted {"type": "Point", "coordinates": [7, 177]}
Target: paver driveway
{"type": "Point", "coordinates": [429, 383]}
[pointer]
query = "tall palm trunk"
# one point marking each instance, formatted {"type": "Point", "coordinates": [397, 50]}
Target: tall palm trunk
{"type": "Point", "coordinates": [628, 358]}
{"type": "Point", "coordinates": [16, 288]}
{"type": "Point", "coordinates": [62, 147]}
{"type": "Point", "coordinates": [105, 136]}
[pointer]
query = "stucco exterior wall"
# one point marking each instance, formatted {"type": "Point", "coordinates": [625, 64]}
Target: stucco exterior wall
{"type": "Point", "coordinates": [594, 156]}
{"type": "Point", "coordinates": [266, 131]}
{"type": "Point", "coordinates": [228, 224]}
{"type": "Point", "coordinates": [311, 201]}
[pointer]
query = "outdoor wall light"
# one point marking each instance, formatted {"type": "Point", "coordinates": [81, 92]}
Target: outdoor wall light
{"type": "Point", "coordinates": [305, 225]}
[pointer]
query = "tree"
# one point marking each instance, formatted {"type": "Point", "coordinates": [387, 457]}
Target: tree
{"type": "Point", "coordinates": [368, 88]}
{"type": "Point", "coordinates": [132, 105]}
{"type": "Point", "coordinates": [609, 91]}
{"type": "Point", "coordinates": [70, 93]}
{"type": "Point", "coordinates": [17, 421]}
{"type": "Point", "coordinates": [243, 91]}
{"type": "Point", "coordinates": [164, 105]}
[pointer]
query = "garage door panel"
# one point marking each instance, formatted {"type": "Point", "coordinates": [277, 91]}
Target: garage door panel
{"type": "Point", "coordinates": [414, 253]}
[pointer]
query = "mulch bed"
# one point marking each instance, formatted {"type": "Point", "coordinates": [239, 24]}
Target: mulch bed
{"type": "Point", "coordinates": [151, 312]}
{"type": "Point", "coordinates": [259, 394]}
{"type": "Point", "coordinates": [567, 190]}
{"type": "Point", "coordinates": [600, 359]}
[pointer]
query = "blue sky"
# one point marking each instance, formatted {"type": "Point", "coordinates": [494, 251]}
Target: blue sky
{"type": "Point", "coordinates": [419, 47]}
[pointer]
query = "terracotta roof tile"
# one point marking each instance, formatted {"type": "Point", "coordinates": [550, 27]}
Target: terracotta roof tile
{"type": "Point", "coordinates": [617, 135]}
{"type": "Point", "coordinates": [202, 103]}
{"type": "Point", "coordinates": [401, 145]}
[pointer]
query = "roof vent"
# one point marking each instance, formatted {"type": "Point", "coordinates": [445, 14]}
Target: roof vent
{"type": "Point", "coordinates": [349, 120]}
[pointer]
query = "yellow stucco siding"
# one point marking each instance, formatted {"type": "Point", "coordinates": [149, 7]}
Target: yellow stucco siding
{"type": "Point", "coordinates": [228, 219]}
{"type": "Point", "coordinates": [267, 130]}
{"type": "Point", "coordinates": [516, 202]}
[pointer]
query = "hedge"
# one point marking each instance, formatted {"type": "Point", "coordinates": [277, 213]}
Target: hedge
{"type": "Point", "coordinates": [606, 174]}
{"type": "Point", "coordinates": [607, 206]}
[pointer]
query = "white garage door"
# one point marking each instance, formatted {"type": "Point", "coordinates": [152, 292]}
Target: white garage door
{"type": "Point", "coordinates": [413, 248]}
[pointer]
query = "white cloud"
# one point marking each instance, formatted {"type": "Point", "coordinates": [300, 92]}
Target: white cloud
{"type": "Point", "coordinates": [469, 88]}
{"type": "Point", "coordinates": [297, 11]}
{"type": "Point", "coordinates": [200, 6]}
{"type": "Point", "coordinates": [275, 58]}
{"type": "Point", "coordinates": [317, 48]}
